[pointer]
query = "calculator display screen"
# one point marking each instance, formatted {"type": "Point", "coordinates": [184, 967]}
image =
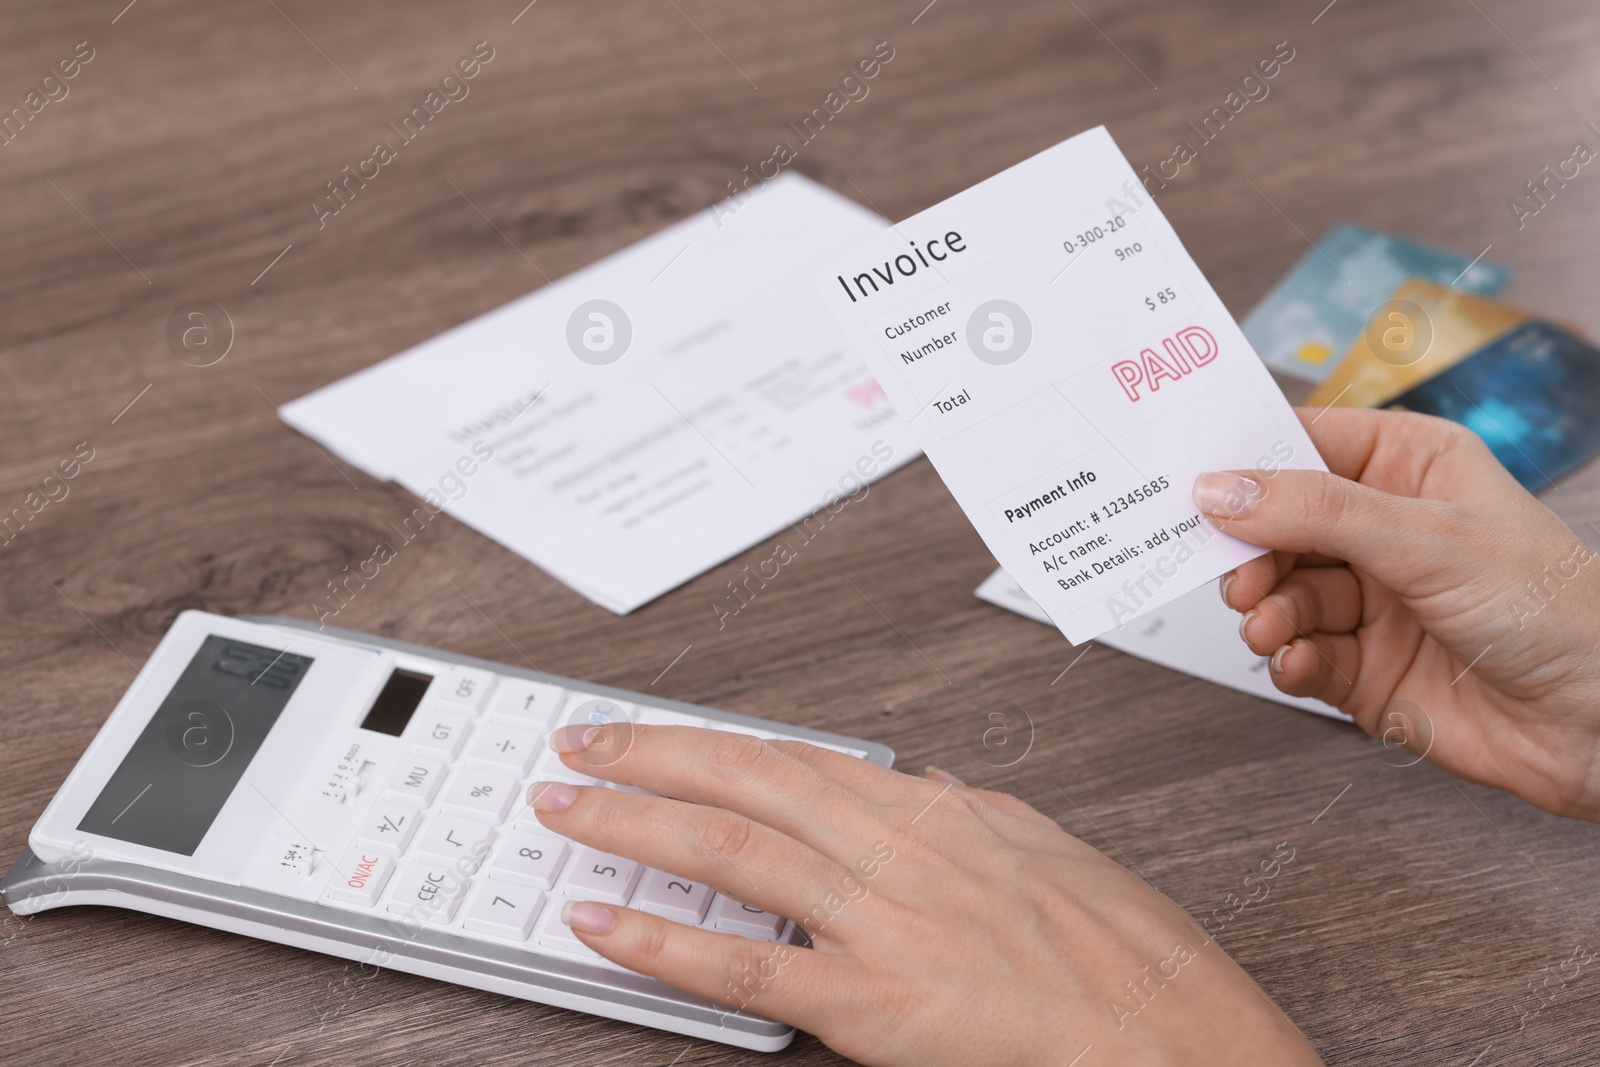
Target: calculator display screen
{"type": "Point", "coordinates": [193, 751]}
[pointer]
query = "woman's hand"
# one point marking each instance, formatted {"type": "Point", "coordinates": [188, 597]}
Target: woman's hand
{"type": "Point", "coordinates": [1424, 592]}
{"type": "Point", "coordinates": [949, 925]}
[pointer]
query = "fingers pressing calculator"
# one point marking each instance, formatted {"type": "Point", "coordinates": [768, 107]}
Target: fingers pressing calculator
{"type": "Point", "coordinates": [365, 798]}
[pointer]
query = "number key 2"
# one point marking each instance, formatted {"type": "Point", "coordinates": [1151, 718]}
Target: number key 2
{"type": "Point", "coordinates": [672, 897]}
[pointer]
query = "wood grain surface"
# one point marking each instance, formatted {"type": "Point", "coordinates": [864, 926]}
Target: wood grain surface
{"type": "Point", "coordinates": [1417, 911]}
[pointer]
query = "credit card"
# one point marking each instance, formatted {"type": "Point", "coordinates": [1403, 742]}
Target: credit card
{"type": "Point", "coordinates": [1421, 329]}
{"type": "Point", "coordinates": [1532, 395]}
{"type": "Point", "coordinates": [1069, 371]}
{"type": "Point", "coordinates": [1316, 312]}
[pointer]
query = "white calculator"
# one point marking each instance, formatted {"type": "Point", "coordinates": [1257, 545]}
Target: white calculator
{"type": "Point", "coordinates": [365, 798]}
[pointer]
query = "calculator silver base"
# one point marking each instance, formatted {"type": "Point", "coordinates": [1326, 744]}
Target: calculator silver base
{"type": "Point", "coordinates": [33, 885]}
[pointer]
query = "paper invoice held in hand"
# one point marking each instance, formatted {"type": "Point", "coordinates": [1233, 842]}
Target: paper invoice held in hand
{"type": "Point", "coordinates": [1069, 371]}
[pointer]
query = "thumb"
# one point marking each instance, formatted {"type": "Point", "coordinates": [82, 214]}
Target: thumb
{"type": "Point", "coordinates": [1400, 541]}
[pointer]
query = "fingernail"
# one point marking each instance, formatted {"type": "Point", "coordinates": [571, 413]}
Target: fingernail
{"type": "Point", "coordinates": [1227, 496]}
{"type": "Point", "coordinates": [1227, 580]}
{"type": "Point", "coordinates": [943, 776]}
{"type": "Point", "coordinates": [552, 796]}
{"type": "Point", "coordinates": [1277, 659]}
{"type": "Point", "coordinates": [1246, 622]}
{"type": "Point", "coordinates": [587, 917]}
{"type": "Point", "coordinates": [574, 738]}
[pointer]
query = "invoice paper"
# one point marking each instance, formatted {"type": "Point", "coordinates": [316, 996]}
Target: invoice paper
{"type": "Point", "coordinates": [1069, 372]}
{"type": "Point", "coordinates": [641, 420]}
{"type": "Point", "coordinates": [1196, 633]}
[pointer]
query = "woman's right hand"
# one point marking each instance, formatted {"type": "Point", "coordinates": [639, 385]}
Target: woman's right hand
{"type": "Point", "coordinates": [1425, 593]}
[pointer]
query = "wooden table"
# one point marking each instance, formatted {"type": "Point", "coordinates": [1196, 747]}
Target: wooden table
{"type": "Point", "coordinates": [181, 165]}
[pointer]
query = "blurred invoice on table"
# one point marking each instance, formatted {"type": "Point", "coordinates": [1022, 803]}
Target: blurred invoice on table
{"type": "Point", "coordinates": [639, 421]}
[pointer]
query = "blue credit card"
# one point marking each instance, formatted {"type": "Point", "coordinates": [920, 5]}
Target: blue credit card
{"type": "Point", "coordinates": [1532, 394]}
{"type": "Point", "coordinates": [1309, 320]}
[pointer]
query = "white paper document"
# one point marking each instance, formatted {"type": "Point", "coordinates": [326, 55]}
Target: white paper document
{"type": "Point", "coordinates": [1197, 634]}
{"type": "Point", "coordinates": [1069, 372]}
{"type": "Point", "coordinates": [643, 419]}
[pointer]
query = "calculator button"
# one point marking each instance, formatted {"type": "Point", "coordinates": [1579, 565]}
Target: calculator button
{"type": "Point", "coordinates": [528, 819]}
{"type": "Point", "coordinates": [416, 779]}
{"type": "Point", "coordinates": [388, 828]}
{"type": "Point", "coordinates": [480, 794]}
{"type": "Point", "coordinates": [429, 891]}
{"type": "Point", "coordinates": [557, 936]}
{"type": "Point", "coordinates": [596, 711]}
{"type": "Point", "coordinates": [672, 898]}
{"type": "Point", "coordinates": [601, 876]}
{"type": "Point", "coordinates": [511, 747]}
{"type": "Point", "coordinates": [664, 717]}
{"type": "Point", "coordinates": [733, 917]}
{"type": "Point", "coordinates": [740, 728]}
{"type": "Point", "coordinates": [360, 877]}
{"type": "Point", "coordinates": [460, 841]}
{"type": "Point", "coordinates": [503, 910]}
{"type": "Point", "coordinates": [551, 769]}
{"type": "Point", "coordinates": [465, 686]}
{"type": "Point", "coordinates": [529, 703]}
{"type": "Point", "coordinates": [440, 729]}
{"type": "Point", "coordinates": [529, 859]}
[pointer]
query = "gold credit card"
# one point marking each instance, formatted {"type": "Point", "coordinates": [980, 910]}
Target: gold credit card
{"type": "Point", "coordinates": [1419, 331]}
